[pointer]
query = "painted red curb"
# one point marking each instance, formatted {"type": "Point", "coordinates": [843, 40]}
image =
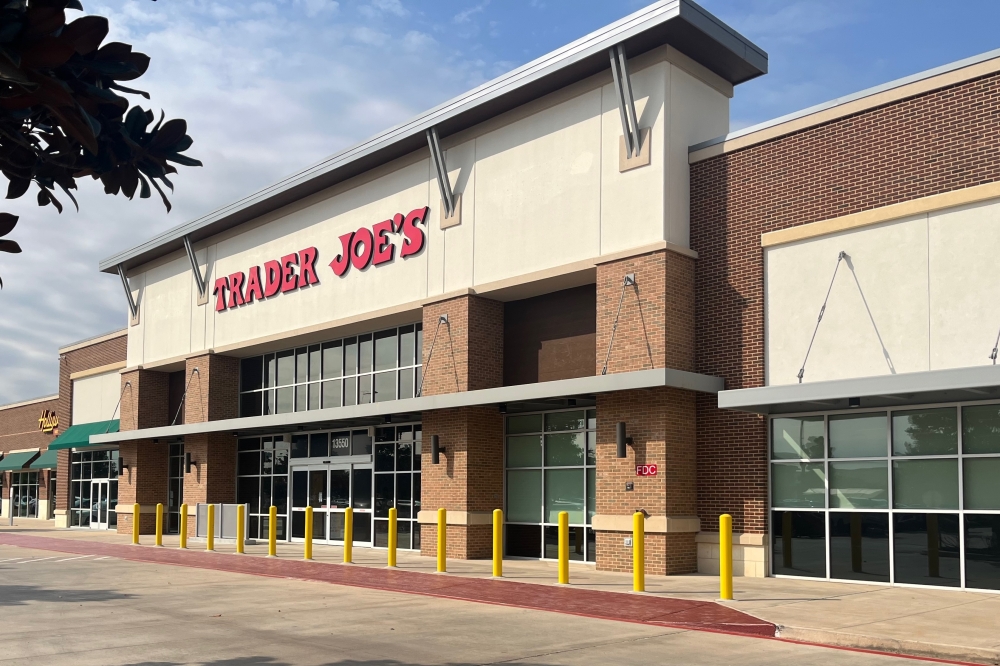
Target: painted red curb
{"type": "Point", "coordinates": [642, 609]}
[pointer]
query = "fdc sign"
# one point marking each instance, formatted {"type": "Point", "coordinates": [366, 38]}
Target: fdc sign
{"type": "Point", "coordinates": [645, 470]}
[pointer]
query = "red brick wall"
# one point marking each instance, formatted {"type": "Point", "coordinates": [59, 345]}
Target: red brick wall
{"type": "Point", "coordinates": [145, 403]}
{"type": "Point", "coordinates": [468, 354]}
{"type": "Point", "coordinates": [144, 482]}
{"type": "Point", "coordinates": [469, 476]}
{"type": "Point", "coordinates": [661, 423]}
{"type": "Point", "coordinates": [213, 475]}
{"type": "Point", "coordinates": [936, 142]}
{"type": "Point", "coordinates": [213, 393]}
{"type": "Point", "coordinates": [656, 325]}
{"type": "Point", "coordinates": [19, 426]}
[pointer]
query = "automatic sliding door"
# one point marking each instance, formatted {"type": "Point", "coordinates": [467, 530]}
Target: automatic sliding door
{"type": "Point", "coordinates": [310, 489]}
{"type": "Point", "coordinates": [340, 499]}
{"type": "Point", "coordinates": [361, 502]}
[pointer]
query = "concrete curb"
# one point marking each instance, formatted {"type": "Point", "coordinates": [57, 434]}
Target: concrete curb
{"type": "Point", "coordinates": [955, 653]}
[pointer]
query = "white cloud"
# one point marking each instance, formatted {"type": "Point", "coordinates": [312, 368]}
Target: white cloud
{"type": "Point", "coordinates": [466, 15]}
{"type": "Point", "coordinates": [265, 92]}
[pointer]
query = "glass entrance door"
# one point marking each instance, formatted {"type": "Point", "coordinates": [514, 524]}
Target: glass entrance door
{"type": "Point", "coordinates": [99, 504]}
{"type": "Point", "coordinates": [330, 490]}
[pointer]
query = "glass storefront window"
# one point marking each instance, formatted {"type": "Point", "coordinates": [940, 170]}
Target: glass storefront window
{"type": "Point", "coordinates": [915, 487]}
{"type": "Point", "coordinates": [980, 429]}
{"type": "Point", "coordinates": [859, 484]}
{"type": "Point", "coordinates": [798, 485]}
{"type": "Point", "coordinates": [925, 484]}
{"type": "Point", "coordinates": [859, 436]}
{"type": "Point", "coordinates": [550, 461]}
{"type": "Point", "coordinates": [374, 367]}
{"type": "Point", "coordinates": [925, 432]}
{"type": "Point", "coordinates": [94, 489]}
{"type": "Point", "coordinates": [797, 438]}
{"type": "Point", "coordinates": [262, 480]}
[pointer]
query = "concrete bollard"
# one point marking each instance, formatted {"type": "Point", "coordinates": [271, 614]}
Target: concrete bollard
{"type": "Point", "coordinates": [725, 556]}
{"type": "Point", "coordinates": [563, 548]}
{"type": "Point", "coordinates": [308, 548]}
{"type": "Point", "coordinates": [135, 524]}
{"type": "Point", "coordinates": [210, 531]}
{"type": "Point", "coordinates": [442, 547]}
{"type": "Point", "coordinates": [183, 531]}
{"type": "Point", "coordinates": [638, 552]}
{"type": "Point", "coordinates": [348, 535]}
{"type": "Point", "coordinates": [241, 517]}
{"type": "Point", "coordinates": [159, 524]}
{"type": "Point", "coordinates": [272, 531]}
{"type": "Point", "coordinates": [392, 537]}
{"type": "Point", "coordinates": [497, 543]}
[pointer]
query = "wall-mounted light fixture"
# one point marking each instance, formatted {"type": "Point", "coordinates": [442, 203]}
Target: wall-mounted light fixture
{"type": "Point", "coordinates": [503, 407]}
{"type": "Point", "coordinates": [188, 463]}
{"type": "Point", "coordinates": [622, 440]}
{"type": "Point", "coordinates": [436, 449]}
{"type": "Point", "coordinates": [854, 402]}
{"type": "Point", "coordinates": [122, 468]}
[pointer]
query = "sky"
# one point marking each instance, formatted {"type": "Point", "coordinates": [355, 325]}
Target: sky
{"type": "Point", "coordinates": [271, 86]}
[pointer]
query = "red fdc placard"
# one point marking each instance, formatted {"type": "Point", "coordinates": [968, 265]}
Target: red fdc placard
{"type": "Point", "coordinates": [645, 470]}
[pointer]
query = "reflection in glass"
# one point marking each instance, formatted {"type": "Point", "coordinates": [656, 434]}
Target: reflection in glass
{"type": "Point", "coordinates": [925, 548]}
{"type": "Point", "coordinates": [565, 449]}
{"type": "Point", "coordinates": [925, 484]}
{"type": "Point", "coordinates": [564, 489]}
{"type": "Point", "coordinates": [798, 543]}
{"type": "Point", "coordinates": [859, 485]}
{"type": "Point", "coordinates": [981, 478]}
{"type": "Point", "coordinates": [286, 367]}
{"type": "Point", "coordinates": [333, 360]}
{"type": "Point", "coordinates": [982, 551]}
{"type": "Point", "coordinates": [517, 425]}
{"type": "Point", "coordinates": [797, 438]}
{"type": "Point", "coordinates": [925, 432]}
{"type": "Point", "coordinates": [557, 421]}
{"type": "Point", "coordinates": [981, 429]}
{"type": "Point", "coordinates": [798, 485]}
{"type": "Point", "coordinates": [524, 451]}
{"type": "Point", "coordinates": [859, 435]}
{"type": "Point", "coordinates": [524, 496]}
{"type": "Point", "coordinates": [859, 546]}
{"type": "Point", "coordinates": [576, 542]}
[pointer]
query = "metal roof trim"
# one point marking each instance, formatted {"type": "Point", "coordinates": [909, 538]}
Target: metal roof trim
{"type": "Point", "coordinates": [537, 70]}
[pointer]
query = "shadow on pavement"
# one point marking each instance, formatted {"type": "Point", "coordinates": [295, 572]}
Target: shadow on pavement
{"type": "Point", "coordinates": [18, 595]}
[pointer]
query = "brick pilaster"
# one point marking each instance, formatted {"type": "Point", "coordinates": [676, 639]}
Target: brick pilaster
{"type": "Point", "coordinates": [145, 482]}
{"type": "Point", "coordinates": [468, 352]}
{"type": "Point", "coordinates": [213, 388]}
{"type": "Point", "coordinates": [145, 400]}
{"type": "Point", "coordinates": [213, 471]}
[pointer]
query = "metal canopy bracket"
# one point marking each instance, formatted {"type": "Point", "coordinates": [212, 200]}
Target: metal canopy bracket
{"type": "Point", "coordinates": [199, 280]}
{"type": "Point", "coordinates": [626, 103]}
{"type": "Point", "coordinates": [442, 171]}
{"type": "Point", "coordinates": [132, 307]}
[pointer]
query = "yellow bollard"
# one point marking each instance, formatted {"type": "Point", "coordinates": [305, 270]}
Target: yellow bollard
{"type": "Point", "coordinates": [563, 548]}
{"type": "Point", "coordinates": [135, 524]}
{"type": "Point", "coordinates": [272, 531]}
{"type": "Point", "coordinates": [497, 543]}
{"type": "Point", "coordinates": [348, 535]}
{"type": "Point", "coordinates": [308, 554]}
{"type": "Point", "coordinates": [240, 528]}
{"type": "Point", "coordinates": [159, 524]}
{"type": "Point", "coordinates": [638, 552]}
{"type": "Point", "coordinates": [210, 532]}
{"type": "Point", "coordinates": [392, 537]}
{"type": "Point", "coordinates": [183, 531]}
{"type": "Point", "coordinates": [725, 556]}
{"type": "Point", "coordinates": [442, 550]}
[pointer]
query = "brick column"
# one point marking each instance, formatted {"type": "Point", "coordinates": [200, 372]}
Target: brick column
{"type": "Point", "coordinates": [661, 422]}
{"type": "Point", "coordinates": [212, 382]}
{"type": "Point", "coordinates": [145, 400]}
{"type": "Point", "coordinates": [468, 350]}
{"type": "Point", "coordinates": [63, 480]}
{"type": "Point", "coordinates": [468, 481]}
{"type": "Point", "coordinates": [656, 325]}
{"type": "Point", "coordinates": [145, 482]}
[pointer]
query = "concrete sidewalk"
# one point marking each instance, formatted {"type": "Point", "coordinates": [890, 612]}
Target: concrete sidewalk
{"type": "Point", "coordinates": [945, 624]}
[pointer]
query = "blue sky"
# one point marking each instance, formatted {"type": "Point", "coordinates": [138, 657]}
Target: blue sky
{"type": "Point", "coordinates": [270, 86]}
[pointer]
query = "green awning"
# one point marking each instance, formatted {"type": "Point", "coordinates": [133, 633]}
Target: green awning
{"type": "Point", "coordinates": [78, 436]}
{"type": "Point", "coordinates": [45, 461]}
{"type": "Point", "coordinates": [16, 461]}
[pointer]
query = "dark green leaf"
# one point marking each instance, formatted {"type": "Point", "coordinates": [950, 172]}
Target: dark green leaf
{"type": "Point", "coordinates": [17, 187]}
{"type": "Point", "coordinates": [86, 33]}
{"type": "Point", "coordinates": [9, 246]}
{"type": "Point", "coordinates": [7, 223]}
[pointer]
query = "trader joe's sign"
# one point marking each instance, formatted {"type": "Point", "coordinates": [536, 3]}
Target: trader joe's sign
{"type": "Point", "coordinates": [368, 246]}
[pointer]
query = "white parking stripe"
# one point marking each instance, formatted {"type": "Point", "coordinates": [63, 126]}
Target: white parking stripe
{"type": "Point", "coordinates": [78, 557]}
{"type": "Point", "coordinates": [40, 559]}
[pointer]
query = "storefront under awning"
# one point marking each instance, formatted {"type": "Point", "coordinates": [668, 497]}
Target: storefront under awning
{"type": "Point", "coordinates": [78, 436]}
{"type": "Point", "coordinates": [16, 461]}
{"type": "Point", "coordinates": [45, 461]}
{"type": "Point", "coordinates": [933, 386]}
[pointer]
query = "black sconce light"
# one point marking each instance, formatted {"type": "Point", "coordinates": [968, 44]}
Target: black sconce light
{"type": "Point", "coordinates": [622, 440]}
{"type": "Point", "coordinates": [854, 402]}
{"type": "Point", "coordinates": [503, 407]}
{"type": "Point", "coordinates": [436, 449]}
{"type": "Point", "coordinates": [122, 468]}
{"type": "Point", "coordinates": [188, 463]}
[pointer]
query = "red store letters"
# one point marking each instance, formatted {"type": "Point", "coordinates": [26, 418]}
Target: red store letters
{"type": "Point", "coordinates": [373, 246]}
{"type": "Point", "coordinates": [278, 276]}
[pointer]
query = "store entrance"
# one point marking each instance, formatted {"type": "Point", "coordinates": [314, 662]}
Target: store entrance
{"type": "Point", "coordinates": [330, 489]}
{"type": "Point", "coordinates": [102, 504]}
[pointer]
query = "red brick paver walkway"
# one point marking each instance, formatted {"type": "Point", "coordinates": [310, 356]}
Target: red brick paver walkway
{"type": "Point", "coordinates": [678, 613]}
